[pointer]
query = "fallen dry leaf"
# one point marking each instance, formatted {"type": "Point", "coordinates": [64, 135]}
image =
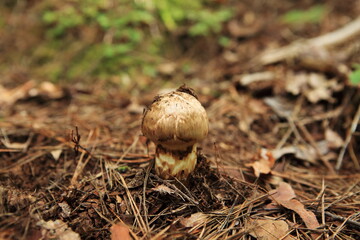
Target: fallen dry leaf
{"type": "Point", "coordinates": [264, 164]}
{"type": "Point", "coordinates": [6, 234]}
{"type": "Point", "coordinates": [10, 96]}
{"type": "Point", "coordinates": [163, 189]}
{"type": "Point", "coordinates": [56, 154]}
{"type": "Point", "coordinates": [269, 229]}
{"type": "Point", "coordinates": [120, 231]}
{"type": "Point", "coordinates": [302, 151]}
{"type": "Point", "coordinates": [194, 219]}
{"type": "Point", "coordinates": [333, 139]}
{"type": "Point", "coordinates": [66, 209]}
{"type": "Point", "coordinates": [247, 79]}
{"type": "Point", "coordinates": [314, 86]}
{"type": "Point", "coordinates": [45, 89]}
{"type": "Point", "coordinates": [167, 68]}
{"type": "Point", "coordinates": [49, 90]}
{"type": "Point", "coordinates": [281, 106]}
{"type": "Point", "coordinates": [284, 195]}
{"type": "Point", "coordinates": [15, 145]}
{"type": "Point", "coordinates": [57, 230]}
{"type": "Point", "coordinates": [239, 29]}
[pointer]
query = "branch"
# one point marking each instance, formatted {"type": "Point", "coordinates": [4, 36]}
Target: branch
{"type": "Point", "coordinates": [294, 49]}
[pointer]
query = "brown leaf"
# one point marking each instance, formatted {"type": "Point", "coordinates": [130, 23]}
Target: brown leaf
{"type": "Point", "coordinates": [237, 29]}
{"type": "Point", "coordinates": [10, 96]}
{"type": "Point", "coordinates": [314, 86]}
{"type": "Point", "coordinates": [167, 68]}
{"type": "Point", "coordinates": [269, 229]}
{"type": "Point", "coordinates": [120, 231]}
{"type": "Point", "coordinates": [308, 217]}
{"type": "Point", "coordinates": [264, 164]}
{"type": "Point", "coordinates": [7, 234]}
{"type": "Point", "coordinates": [284, 195]}
{"type": "Point", "coordinates": [45, 90]}
{"type": "Point", "coordinates": [194, 219]}
{"type": "Point", "coordinates": [163, 189]}
{"type": "Point", "coordinates": [49, 90]}
{"type": "Point", "coordinates": [302, 151]}
{"type": "Point", "coordinates": [333, 139]}
{"type": "Point", "coordinates": [15, 145]}
{"type": "Point", "coordinates": [247, 79]}
{"type": "Point", "coordinates": [281, 106]}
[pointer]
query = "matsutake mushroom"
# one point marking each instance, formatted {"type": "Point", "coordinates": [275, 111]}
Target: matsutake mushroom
{"type": "Point", "coordinates": [175, 122]}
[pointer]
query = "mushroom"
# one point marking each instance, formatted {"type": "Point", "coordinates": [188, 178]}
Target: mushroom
{"type": "Point", "coordinates": [175, 122]}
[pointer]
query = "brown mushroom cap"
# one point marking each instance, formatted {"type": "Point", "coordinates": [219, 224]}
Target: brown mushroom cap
{"type": "Point", "coordinates": [176, 121]}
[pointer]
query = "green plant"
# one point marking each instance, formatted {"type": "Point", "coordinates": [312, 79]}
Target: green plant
{"type": "Point", "coordinates": [102, 38]}
{"type": "Point", "coordinates": [312, 15]}
{"type": "Point", "coordinates": [355, 75]}
{"type": "Point", "coordinates": [97, 40]}
{"type": "Point", "coordinates": [203, 21]}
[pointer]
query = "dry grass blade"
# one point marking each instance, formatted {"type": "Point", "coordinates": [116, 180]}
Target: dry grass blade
{"type": "Point", "coordinates": [142, 223]}
{"type": "Point", "coordinates": [349, 134]}
{"type": "Point", "coordinates": [22, 161]}
{"type": "Point", "coordinates": [79, 168]}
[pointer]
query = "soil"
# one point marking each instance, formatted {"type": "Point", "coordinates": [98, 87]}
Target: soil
{"type": "Point", "coordinates": [75, 153]}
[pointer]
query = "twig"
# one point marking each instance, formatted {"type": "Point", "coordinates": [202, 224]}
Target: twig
{"type": "Point", "coordinates": [327, 40]}
{"type": "Point", "coordinates": [146, 216]}
{"type": "Point", "coordinates": [353, 156]}
{"type": "Point", "coordinates": [80, 165]}
{"type": "Point", "coordinates": [314, 145]}
{"type": "Point", "coordinates": [340, 227]}
{"type": "Point", "coordinates": [348, 138]}
{"type": "Point", "coordinates": [346, 220]}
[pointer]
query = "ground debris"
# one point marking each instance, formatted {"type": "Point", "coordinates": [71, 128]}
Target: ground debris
{"type": "Point", "coordinates": [284, 195]}
{"type": "Point", "coordinates": [120, 232]}
{"type": "Point", "coordinates": [276, 129]}
{"type": "Point", "coordinates": [269, 229]}
{"type": "Point", "coordinates": [57, 229]}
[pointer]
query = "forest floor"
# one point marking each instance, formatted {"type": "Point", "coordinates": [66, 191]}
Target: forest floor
{"type": "Point", "coordinates": [282, 159]}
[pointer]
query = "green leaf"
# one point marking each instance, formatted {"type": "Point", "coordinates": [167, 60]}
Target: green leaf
{"type": "Point", "coordinates": [355, 77]}
{"type": "Point", "coordinates": [149, 70]}
{"type": "Point", "coordinates": [103, 20]}
{"type": "Point", "coordinates": [224, 41]}
{"type": "Point", "coordinates": [199, 29]}
{"type": "Point", "coordinates": [49, 17]}
{"type": "Point", "coordinates": [312, 15]}
{"type": "Point", "coordinates": [141, 16]}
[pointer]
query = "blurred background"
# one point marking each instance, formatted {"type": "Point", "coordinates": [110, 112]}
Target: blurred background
{"type": "Point", "coordinates": [131, 44]}
{"type": "Point", "coordinates": [134, 44]}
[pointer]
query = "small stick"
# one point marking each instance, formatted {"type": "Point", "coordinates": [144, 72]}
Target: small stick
{"type": "Point", "coordinates": [327, 40]}
{"type": "Point", "coordinates": [345, 220]}
{"type": "Point", "coordinates": [147, 174]}
{"type": "Point", "coordinates": [348, 138]}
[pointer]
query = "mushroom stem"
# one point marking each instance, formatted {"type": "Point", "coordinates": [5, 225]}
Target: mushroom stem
{"type": "Point", "coordinates": [175, 163]}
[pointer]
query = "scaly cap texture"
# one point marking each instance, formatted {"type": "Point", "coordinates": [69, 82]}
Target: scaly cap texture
{"type": "Point", "coordinates": [175, 120]}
